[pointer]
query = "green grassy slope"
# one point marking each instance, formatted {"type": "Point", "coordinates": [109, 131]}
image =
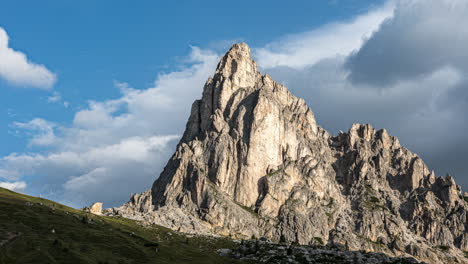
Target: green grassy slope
{"type": "Point", "coordinates": [35, 230]}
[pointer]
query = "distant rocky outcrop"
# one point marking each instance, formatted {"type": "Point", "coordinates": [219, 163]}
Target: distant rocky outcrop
{"type": "Point", "coordinates": [254, 162]}
{"type": "Point", "coordinates": [95, 208]}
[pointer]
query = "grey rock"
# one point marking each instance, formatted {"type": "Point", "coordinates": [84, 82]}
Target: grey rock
{"type": "Point", "coordinates": [254, 162]}
{"type": "Point", "coordinates": [271, 253]}
{"type": "Point", "coordinates": [95, 208]}
{"type": "Point", "coordinates": [225, 252]}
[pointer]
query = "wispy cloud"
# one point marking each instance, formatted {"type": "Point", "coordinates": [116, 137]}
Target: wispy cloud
{"type": "Point", "coordinates": [40, 131]}
{"type": "Point", "coordinates": [308, 48]}
{"type": "Point", "coordinates": [54, 98]}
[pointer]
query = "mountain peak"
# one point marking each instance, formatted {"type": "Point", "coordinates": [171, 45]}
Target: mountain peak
{"type": "Point", "coordinates": [240, 49]}
{"type": "Point", "coordinates": [238, 67]}
{"type": "Point", "coordinates": [253, 161]}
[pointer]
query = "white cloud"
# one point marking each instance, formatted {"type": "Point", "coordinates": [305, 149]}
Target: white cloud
{"type": "Point", "coordinates": [40, 130]}
{"type": "Point", "coordinates": [14, 186]}
{"type": "Point", "coordinates": [113, 147]}
{"type": "Point", "coordinates": [327, 41]}
{"type": "Point", "coordinates": [54, 98]}
{"type": "Point", "coordinates": [16, 69]}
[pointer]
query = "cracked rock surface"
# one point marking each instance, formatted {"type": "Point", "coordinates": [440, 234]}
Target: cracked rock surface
{"type": "Point", "coordinates": [253, 162]}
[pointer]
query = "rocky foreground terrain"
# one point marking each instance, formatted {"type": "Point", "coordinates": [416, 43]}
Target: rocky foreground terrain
{"type": "Point", "coordinates": [257, 251]}
{"type": "Point", "coordinates": [254, 162]}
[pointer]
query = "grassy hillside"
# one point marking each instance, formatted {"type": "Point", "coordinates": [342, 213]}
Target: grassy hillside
{"type": "Point", "coordinates": [35, 230]}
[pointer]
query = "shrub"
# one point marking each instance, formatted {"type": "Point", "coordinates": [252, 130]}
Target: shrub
{"type": "Point", "coordinates": [151, 244]}
{"type": "Point", "coordinates": [282, 239]}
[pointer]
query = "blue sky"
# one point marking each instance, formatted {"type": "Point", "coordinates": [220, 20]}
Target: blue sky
{"type": "Point", "coordinates": [117, 79]}
{"type": "Point", "coordinates": [90, 44]}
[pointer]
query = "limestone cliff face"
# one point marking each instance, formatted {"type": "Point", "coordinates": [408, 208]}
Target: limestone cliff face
{"type": "Point", "coordinates": [253, 161]}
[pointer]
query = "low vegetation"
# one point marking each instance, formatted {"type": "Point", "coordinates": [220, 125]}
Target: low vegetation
{"type": "Point", "coordinates": [35, 230]}
{"type": "Point", "coordinates": [443, 248]}
{"type": "Point", "coordinates": [319, 240]}
{"type": "Point", "coordinates": [251, 210]}
{"type": "Point", "coordinates": [373, 204]}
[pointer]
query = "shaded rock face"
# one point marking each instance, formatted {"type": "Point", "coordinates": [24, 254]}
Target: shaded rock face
{"type": "Point", "coordinates": [253, 162]}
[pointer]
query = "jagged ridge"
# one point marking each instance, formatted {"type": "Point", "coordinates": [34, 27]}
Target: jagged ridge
{"type": "Point", "coordinates": [253, 161]}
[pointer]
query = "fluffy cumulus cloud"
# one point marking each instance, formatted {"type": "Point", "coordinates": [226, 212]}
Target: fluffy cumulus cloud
{"type": "Point", "coordinates": [400, 67]}
{"type": "Point", "coordinates": [408, 75]}
{"type": "Point", "coordinates": [113, 148]}
{"type": "Point", "coordinates": [18, 70]}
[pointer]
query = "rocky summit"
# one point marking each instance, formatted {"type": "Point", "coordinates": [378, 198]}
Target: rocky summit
{"type": "Point", "coordinates": [254, 163]}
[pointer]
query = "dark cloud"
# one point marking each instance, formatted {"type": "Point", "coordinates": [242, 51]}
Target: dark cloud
{"type": "Point", "coordinates": [422, 37]}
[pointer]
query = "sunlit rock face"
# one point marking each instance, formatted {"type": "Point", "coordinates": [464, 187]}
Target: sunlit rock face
{"type": "Point", "coordinates": [253, 161]}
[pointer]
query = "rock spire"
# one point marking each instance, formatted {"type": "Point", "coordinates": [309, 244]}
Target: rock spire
{"type": "Point", "coordinates": [253, 161]}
